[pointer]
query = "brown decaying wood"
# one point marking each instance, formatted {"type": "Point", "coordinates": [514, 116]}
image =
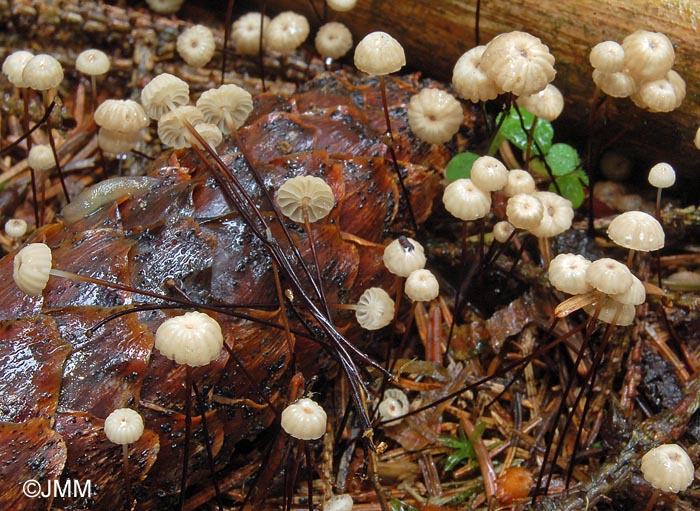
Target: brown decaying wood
{"type": "Point", "coordinates": [435, 33]}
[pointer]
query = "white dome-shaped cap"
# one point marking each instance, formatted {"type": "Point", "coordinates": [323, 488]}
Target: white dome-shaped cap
{"type": "Point", "coordinates": [609, 276]}
{"type": "Point", "coordinates": [524, 211]}
{"type": "Point", "coordinates": [668, 468]}
{"type": "Point", "coordinates": [15, 228]}
{"type": "Point", "coordinates": [404, 255]}
{"type": "Point", "coordinates": [518, 62]}
{"type": "Point", "coordinates": [557, 215]}
{"type": "Point", "coordinates": [434, 115]}
{"type": "Point", "coordinates": [502, 231]}
{"type": "Point", "coordinates": [375, 309]}
{"type": "Point", "coordinates": [648, 55]}
{"type": "Point", "coordinates": [470, 81]}
{"type": "Point", "coordinates": [210, 133]}
{"type": "Point", "coordinates": [637, 230]}
{"type": "Point", "coordinates": [333, 40]}
{"type": "Point", "coordinates": [662, 95]}
{"type": "Point", "coordinates": [92, 62]}
{"type": "Point", "coordinates": [305, 191]}
{"type": "Point", "coordinates": [635, 295]}
{"type": "Point", "coordinates": [123, 426]}
{"type": "Point", "coordinates": [227, 103]}
{"type": "Point", "coordinates": [286, 32]}
{"type": "Point", "coordinates": [165, 6]}
{"type": "Point", "coordinates": [118, 142]}
{"type": "Point", "coordinates": [612, 311]}
{"type": "Point", "coordinates": [304, 419]}
{"type": "Point", "coordinates": [163, 93]}
{"type": "Point", "coordinates": [196, 45]}
{"type": "Point", "coordinates": [341, 5]}
{"type": "Point", "coordinates": [546, 104]}
{"type": "Point", "coordinates": [466, 201]}
{"type": "Point", "coordinates": [124, 115]}
{"type": "Point", "coordinates": [662, 175]}
{"type": "Point", "coordinates": [519, 181]}
{"type": "Point", "coordinates": [13, 66]}
{"type": "Point", "coordinates": [617, 85]}
{"type": "Point", "coordinates": [193, 339]}
{"type": "Point", "coordinates": [379, 54]}
{"type": "Point", "coordinates": [489, 174]}
{"type": "Point", "coordinates": [41, 157]}
{"type": "Point", "coordinates": [42, 72]}
{"type": "Point", "coordinates": [567, 273]}
{"type": "Point", "coordinates": [32, 266]}
{"type": "Point", "coordinates": [607, 57]}
{"type": "Point", "coordinates": [394, 404]}
{"type": "Point", "coordinates": [341, 502]}
{"type": "Point", "coordinates": [245, 33]}
{"type": "Point", "coordinates": [422, 286]}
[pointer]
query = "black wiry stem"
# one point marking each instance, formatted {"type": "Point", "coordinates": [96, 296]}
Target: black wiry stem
{"type": "Point", "coordinates": [52, 143]}
{"type": "Point", "coordinates": [127, 478]}
{"type": "Point", "coordinates": [207, 444]}
{"type": "Point", "coordinates": [188, 434]}
{"type": "Point", "coordinates": [227, 36]}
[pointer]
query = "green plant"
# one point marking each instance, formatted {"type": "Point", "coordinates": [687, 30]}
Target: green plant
{"type": "Point", "coordinates": [562, 159]}
{"type": "Point", "coordinates": [463, 448]}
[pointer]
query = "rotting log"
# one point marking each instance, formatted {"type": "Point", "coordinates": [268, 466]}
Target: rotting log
{"type": "Point", "coordinates": [436, 32]}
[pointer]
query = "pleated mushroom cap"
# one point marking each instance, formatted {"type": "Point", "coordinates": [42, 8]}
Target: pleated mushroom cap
{"type": "Point", "coordinates": [227, 100]}
{"type": "Point", "coordinates": [567, 273]}
{"type": "Point", "coordinates": [32, 266]}
{"type": "Point", "coordinates": [404, 255]}
{"type": "Point", "coordinates": [609, 276]}
{"type": "Point", "coordinates": [470, 81]}
{"type": "Point", "coordinates": [607, 57]}
{"type": "Point", "coordinates": [196, 45]}
{"type": "Point", "coordinates": [193, 339]}
{"type": "Point", "coordinates": [13, 66]}
{"type": "Point", "coordinates": [304, 420]}
{"type": "Point", "coordinates": [123, 115]}
{"type": "Point", "coordinates": [434, 115]}
{"type": "Point", "coordinates": [245, 33]}
{"type": "Point", "coordinates": [333, 40]}
{"type": "Point", "coordinates": [310, 191]}
{"type": "Point", "coordinates": [466, 201]}
{"type": "Point", "coordinates": [379, 54]}
{"type": "Point", "coordinates": [637, 230]}
{"type": "Point", "coordinates": [163, 93]}
{"type": "Point", "coordinates": [123, 426]}
{"type": "Point", "coordinates": [375, 309]}
{"type": "Point", "coordinates": [92, 62]}
{"type": "Point", "coordinates": [42, 72]}
{"type": "Point", "coordinates": [668, 468]}
{"type": "Point", "coordinates": [286, 32]}
{"type": "Point", "coordinates": [172, 129]}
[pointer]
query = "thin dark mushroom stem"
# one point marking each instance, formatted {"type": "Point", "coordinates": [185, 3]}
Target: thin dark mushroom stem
{"type": "Point", "coordinates": [127, 477]}
{"type": "Point", "coordinates": [227, 37]}
{"type": "Point", "coordinates": [52, 143]}
{"type": "Point", "coordinates": [207, 444]}
{"type": "Point", "coordinates": [188, 434]}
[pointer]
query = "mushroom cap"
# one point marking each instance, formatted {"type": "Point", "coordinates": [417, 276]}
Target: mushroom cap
{"type": "Point", "coordinates": [519, 181]}
{"type": "Point", "coordinates": [612, 311]}
{"type": "Point", "coordinates": [123, 426]}
{"type": "Point", "coordinates": [607, 57]}
{"type": "Point", "coordinates": [668, 468]}
{"type": "Point", "coordinates": [15, 228]}
{"type": "Point", "coordinates": [124, 115]}
{"type": "Point", "coordinates": [165, 6]}
{"type": "Point", "coordinates": [546, 104]}
{"type": "Point", "coordinates": [333, 40]}
{"type": "Point", "coordinates": [518, 62]}
{"type": "Point", "coordinates": [118, 142]}
{"type": "Point", "coordinates": [434, 115]}
{"type": "Point", "coordinates": [470, 81]}
{"type": "Point", "coordinates": [92, 62]}
{"type": "Point", "coordinates": [227, 100]}
{"type": "Point", "coordinates": [379, 54]}
{"type": "Point", "coordinates": [635, 295]}
{"type": "Point", "coordinates": [162, 93]}
{"type": "Point", "coordinates": [305, 419]}
{"type": "Point", "coordinates": [41, 157]}
{"type": "Point", "coordinates": [609, 276]}
{"type": "Point", "coordinates": [286, 32]}
{"type": "Point", "coordinates": [466, 201]}
{"type": "Point", "coordinates": [422, 286]}
{"type": "Point", "coordinates": [341, 502]}
{"type": "Point", "coordinates": [567, 273]}
{"type": "Point", "coordinates": [637, 230]}
{"type": "Point", "coordinates": [341, 5]}
{"type": "Point", "coordinates": [13, 66]}
{"type": "Point", "coordinates": [662, 95]}
{"type": "Point", "coordinates": [196, 45]}
{"type": "Point", "coordinates": [557, 215]}
{"type": "Point", "coordinates": [662, 175]}
{"type": "Point", "coordinates": [617, 84]}
{"type": "Point", "coordinates": [648, 55]}
{"type": "Point", "coordinates": [502, 231]}
{"type": "Point", "coordinates": [394, 404]}
{"type": "Point", "coordinates": [404, 255]}
{"type": "Point", "coordinates": [489, 174]}
{"type": "Point", "coordinates": [193, 339]}
{"type": "Point", "coordinates": [42, 72]}
{"type": "Point", "coordinates": [32, 266]}
{"type": "Point", "coordinates": [245, 33]}
{"type": "Point", "coordinates": [696, 140]}
{"type": "Point", "coordinates": [172, 129]}
{"type": "Point", "coordinates": [524, 211]}
{"type": "Point", "coordinates": [210, 133]}
{"type": "Point", "coordinates": [375, 309]}
{"type": "Point", "coordinates": [310, 191]}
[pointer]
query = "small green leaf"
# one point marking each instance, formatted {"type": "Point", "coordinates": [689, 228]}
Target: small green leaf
{"type": "Point", "coordinates": [562, 159]}
{"type": "Point", "coordinates": [460, 166]}
{"type": "Point", "coordinates": [398, 505]}
{"type": "Point", "coordinates": [513, 130]}
{"type": "Point", "coordinates": [571, 188]}
{"type": "Point", "coordinates": [581, 174]}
